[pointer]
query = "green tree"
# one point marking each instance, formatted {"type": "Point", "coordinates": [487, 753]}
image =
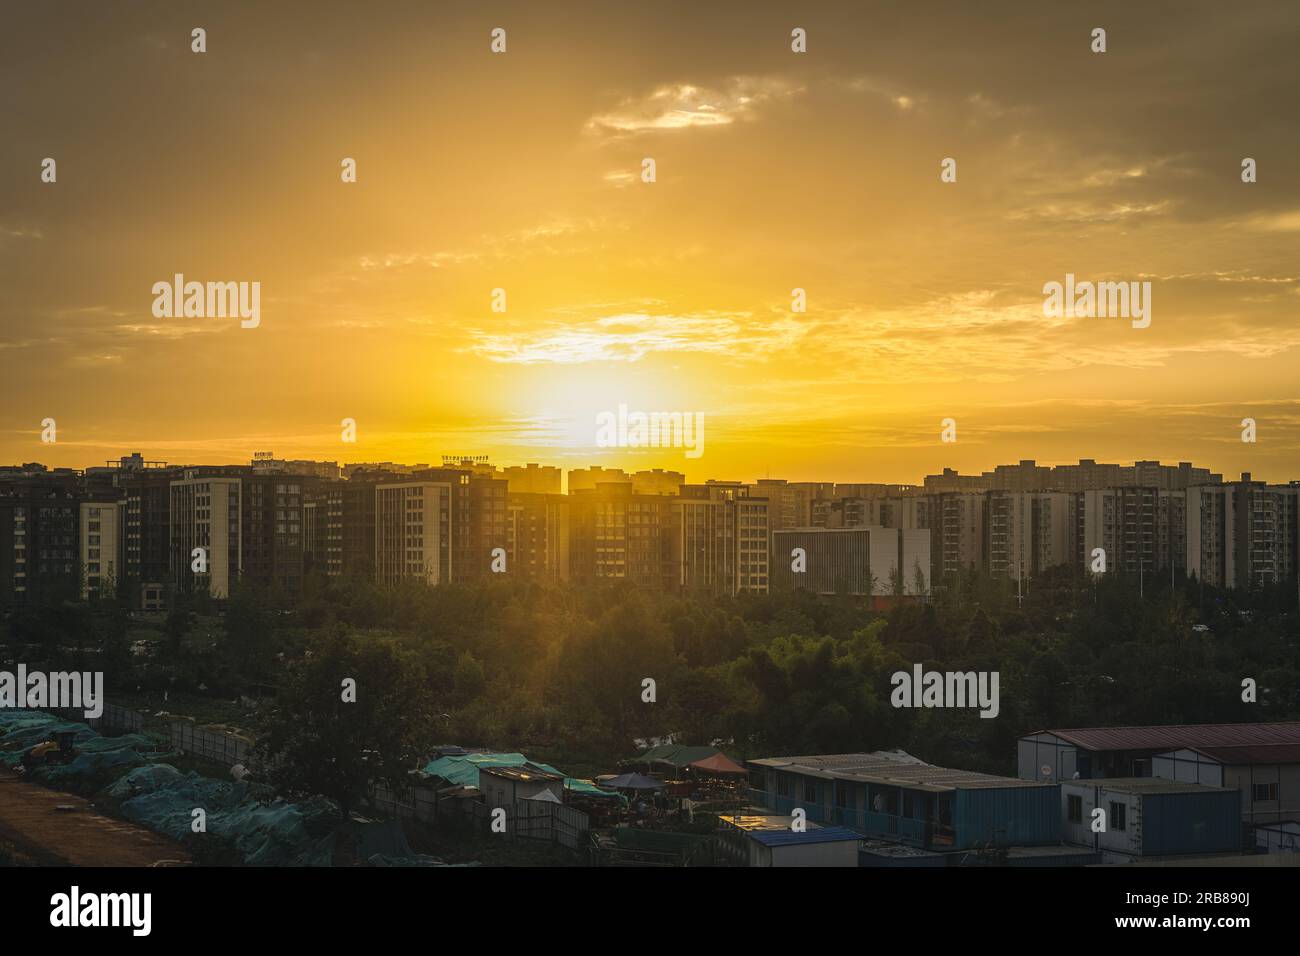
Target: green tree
{"type": "Point", "coordinates": [321, 743]}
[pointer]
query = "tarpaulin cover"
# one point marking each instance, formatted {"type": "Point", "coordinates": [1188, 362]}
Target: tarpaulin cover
{"type": "Point", "coordinates": [674, 755]}
{"type": "Point", "coordinates": [274, 833]}
{"type": "Point", "coordinates": [462, 769]}
{"type": "Point", "coordinates": [586, 788]}
{"type": "Point", "coordinates": [718, 763]}
{"type": "Point", "coordinates": [97, 757]}
{"type": "Point", "coordinates": [633, 781]}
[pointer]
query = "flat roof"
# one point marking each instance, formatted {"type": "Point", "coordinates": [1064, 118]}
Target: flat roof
{"type": "Point", "coordinates": [1177, 736]}
{"type": "Point", "coordinates": [1141, 785]}
{"type": "Point", "coordinates": [526, 772]}
{"type": "Point", "coordinates": [891, 768]}
{"type": "Point", "coordinates": [820, 835]}
{"type": "Point", "coordinates": [762, 821]}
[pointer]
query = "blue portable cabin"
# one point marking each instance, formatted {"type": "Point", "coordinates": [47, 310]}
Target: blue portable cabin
{"type": "Point", "coordinates": [893, 796]}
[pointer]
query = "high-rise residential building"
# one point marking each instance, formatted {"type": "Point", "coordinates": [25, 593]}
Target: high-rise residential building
{"type": "Point", "coordinates": [616, 534]}
{"type": "Point", "coordinates": [322, 527]}
{"type": "Point", "coordinates": [147, 557]}
{"type": "Point", "coordinates": [206, 524]}
{"type": "Point", "coordinates": [1241, 534]}
{"type": "Point", "coordinates": [1028, 532]}
{"type": "Point", "coordinates": [1087, 475]}
{"type": "Point", "coordinates": [721, 538]}
{"type": "Point", "coordinates": [489, 513]}
{"type": "Point", "coordinates": [412, 531]}
{"type": "Point", "coordinates": [533, 479]}
{"type": "Point", "coordinates": [782, 502]}
{"type": "Point", "coordinates": [537, 523]}
{"type": "Point", "coordinates": [39, 519]}
{"type": "Point", "coordinates": [265, 463]}
{"type": "Point", "coordinates": [358, 522]}
{"type": "Point", "coordinates": [1124, 523]}
{"type": "Point", "coordinates": [587, 479]}
{"type": "Point", "coordinates": [272, 539]}
{"type": "Point", "coordinates": [704, 539]}
{"type": "Point", "coordinates": [478, 516]}
{"type": "Point", "coordinates": [948, 482]}
{"type": "Point", "coordinates": [102, 545]}
{"type": "Point", "coordinates": [957, 523]}
{"type": "Point", "coordinates": [537, 536]}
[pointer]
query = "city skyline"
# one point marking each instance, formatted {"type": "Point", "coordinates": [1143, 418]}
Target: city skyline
{"type": "Point", "coordinates": [776, 170]}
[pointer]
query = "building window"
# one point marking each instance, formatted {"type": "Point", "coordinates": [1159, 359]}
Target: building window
{"type": "Point", "coordinates": [1075, 809]}
{"type": "Point", "coordinates": [1264, 791]}
{"type": "Point", "coordinates": [810, 791]}
{"type": "Point", "coordinates": [1118, 821]}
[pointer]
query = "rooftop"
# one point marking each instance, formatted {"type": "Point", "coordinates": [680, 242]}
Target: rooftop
{"type": "Point", "coordinates": [1252, 753]}
{"type": "Point", "coordinates": [890, 768]}
{"type": "Point", "coordinates": [1175, 736]}
{"type": "Point", "coordinates": [1143, 785]}
{"type": "Point", "coordinates": [819, 835]}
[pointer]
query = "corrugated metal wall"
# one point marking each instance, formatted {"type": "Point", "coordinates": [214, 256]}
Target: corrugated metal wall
{"type": "Point", "coordinates": [1207, 822]}
{"type": "Point", "coordinates": [1007, 816]}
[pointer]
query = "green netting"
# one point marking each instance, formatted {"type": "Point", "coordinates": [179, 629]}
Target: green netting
{"type": "Point", "coordinates": [98, 761]}
{"type": "Point", "coordinates": [266, 830]}
{"type": "Point", "coordinates": [588, 789]}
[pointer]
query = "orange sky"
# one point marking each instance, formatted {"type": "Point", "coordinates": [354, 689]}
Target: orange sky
{"type": "Point", "coordinates": [775, 170]}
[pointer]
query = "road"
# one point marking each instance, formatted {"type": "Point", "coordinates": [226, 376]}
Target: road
{"type": "Point", "coordinates": [82, 836]}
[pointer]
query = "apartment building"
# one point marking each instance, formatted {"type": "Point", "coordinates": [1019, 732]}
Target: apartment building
{"type": "Point", "coordinates": [1241, 534]}
{"type": "Point", "coordinates": [272, 537]}
{"type": "Point", "coordinates": [39, 520]}
{"type": "Point", "coordinates": [206, 516]}
{"type": "Point", "coordinates": [101, 545]}
{"type": "Point", "coordinates": [413, 531]}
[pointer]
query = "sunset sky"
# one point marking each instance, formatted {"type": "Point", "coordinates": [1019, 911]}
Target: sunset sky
{"type": "Point", "coordinates": [775, 170]}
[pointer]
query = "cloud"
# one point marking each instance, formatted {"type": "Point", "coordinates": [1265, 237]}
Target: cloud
{"type": "Point", "coordinates": [630, 337]}
{"type": "Point", "coordinates": [678, 106]}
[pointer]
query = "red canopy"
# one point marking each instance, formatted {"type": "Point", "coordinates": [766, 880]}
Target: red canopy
{"type": "Point", "coordinates": [718, 763]}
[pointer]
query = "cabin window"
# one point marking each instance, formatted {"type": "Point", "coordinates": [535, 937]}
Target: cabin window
{"type": "Point", "coordinates": [1075, 808]}
{"type": "Point", "coordinates": [1118, 820]}
{"type": "Point", "coordinates": [1264, 791]}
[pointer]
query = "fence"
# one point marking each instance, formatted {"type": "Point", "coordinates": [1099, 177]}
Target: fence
{"type": "Point", "coordinates": [215, 745]}
{"type": "Point", "coordinates": [113, 722]}
{"type": "Point", "coordinates": [418, 803]}
{"type": "Point", "coordinates": [538, 821]}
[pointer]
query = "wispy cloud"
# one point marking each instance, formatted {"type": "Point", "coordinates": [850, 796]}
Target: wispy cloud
{"type": "Point", "coordinates": [630, 337]}
{"type": "Point", "coordinates": [679, 106]}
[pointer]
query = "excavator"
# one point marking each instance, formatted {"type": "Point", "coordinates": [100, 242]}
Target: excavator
{"type": "Point", "coordinates": [59, 749]}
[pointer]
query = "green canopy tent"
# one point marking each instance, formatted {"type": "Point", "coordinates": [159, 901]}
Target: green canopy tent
{"type": "Point", "coordinates": [673, 755]}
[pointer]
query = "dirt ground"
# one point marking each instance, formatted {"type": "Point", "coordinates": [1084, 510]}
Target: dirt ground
{"type": "Point", "coordinates": [30, 819]}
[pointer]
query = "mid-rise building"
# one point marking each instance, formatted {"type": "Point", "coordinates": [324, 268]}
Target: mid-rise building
{"type": "Point", "coordinates": [39, 521]}
{"type": "Point", "coordinates": [412, 528]}
{"type": "Point", "coordinates": [102, 545]}
{"type": "Point", "coordinates": [1241, 534]}
{"type": "Point", "coordinates": [206, 527]}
